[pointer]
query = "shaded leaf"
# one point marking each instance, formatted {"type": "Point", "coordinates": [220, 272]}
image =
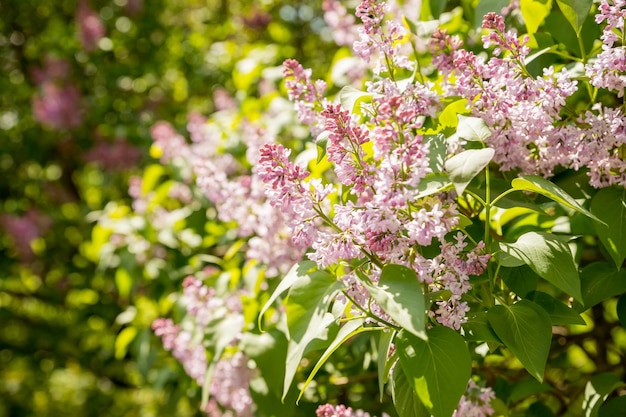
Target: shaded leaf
{"type": "Point", "coordinates": [525, 329]}
{"type": "Point", "coordinates": [478, 329]}
{"type": "Point", "coordinates": [348, 330]}
{"type": "Point", "coordinates": [296, 272]}
{"type": "Point", "coordinates": [405, 399]}
{"type": "Point", "coordinates": [559, 313]}
{"type": "Point", "coordinates": [600, 281]}
{"type": "Point", "coordinates": [609, 205]}
{"type": "Point", "coordinates": [438, 368]}
{"type": "Point", "coordinates": [597, 390]}
{"type": "Point", "coordinates": [307, 316]}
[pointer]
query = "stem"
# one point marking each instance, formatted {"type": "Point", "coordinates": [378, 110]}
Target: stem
{"type": "Point", "coordinates": [486, 239]}
{"type": "Point", "coordinates": [507, 192]}
{"type": "Point", "coordinates": [370, 314]}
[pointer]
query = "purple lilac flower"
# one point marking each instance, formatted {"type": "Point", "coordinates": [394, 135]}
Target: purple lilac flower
{"type": "Point", "coordinates": [90, 27]}
{"type": "Point", "coordinates": [476, 402]}
{"type": "Point", "coordinates": [58, 105]}
{"type": "Point", "coordinates": [608, 70]}
{"type": "Point", "coordinates": [380, 43]}
{"type": "Point", "coordinates": [308, 96]}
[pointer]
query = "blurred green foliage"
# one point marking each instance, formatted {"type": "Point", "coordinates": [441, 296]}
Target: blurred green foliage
{"type": "Point", "coordinates": [63, 347]}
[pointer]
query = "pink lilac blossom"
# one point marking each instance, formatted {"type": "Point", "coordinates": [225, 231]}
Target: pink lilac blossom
{"type": "Point", "coordinates": [329, 410]}
{"type": "Point", "coordinates": [380, 43]}
{"type": "Point", "coordinates": [231, 378]}
{"type": "Point", "coordinates": [307, 95]}
{"type": "Point", "coordinates": [523, 112]}
{"type": "Point", "coordinates": [597, 145]}
{"type": "Point", "coordinates": [450, 270]}
{"type": "Point", "coordinates": [191, 355]}
{"type": "Point", "coordinates": [230, 386]}
{"type": "Point", "coordinates": [476, 402]}
{"type": "Point", "coordinates": [343, 25]}
{"type": "Point", "coordinates": [608, 70]}
{"type": "Point", "coordinates": [90, 27]}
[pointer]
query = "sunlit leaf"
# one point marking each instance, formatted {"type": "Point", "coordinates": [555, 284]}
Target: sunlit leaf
{"type": "Point", "coordinates": [549, 189]}
{"type": "Point", "coordinates": [400, 294]}
{"type": "Point", "coordinates": [550, 257]}
{"type": "Point", "coordinates": [609, 206]}
{"type": "Point", "coordinates": [463, 167]}
{"type": "Point", "coordinates": [437, 368]}
{"type": "Point", "coordinates": [575, 11]}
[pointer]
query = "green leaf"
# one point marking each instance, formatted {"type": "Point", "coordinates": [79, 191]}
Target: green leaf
{"type": "Point", "coordinates": [437, 150]}
{"type": "Point", "coordinates": [400, 294]}
{"type": "Point", "coordinates": [478, 329]}
{"type": "Point", "coordinates": [575, 11]}
{"type": "Point", "coordinates": [348, 330]}
{"type": "Point", "coordinates": [615, 407]}
{"type": "Point", "coordinates": [621, 310]}
{"type": "Point", "coordinates": [548, 189]}
{"type": "Point", "coordinates": [600, 281]}
{"type": "Point", "coordinates": [473, 129]}
{"type": "Point", "coordinates": [433, 183]}
{"type": "Point", "coordinates": [559, 313]}
{"type": "Point", "coordinates": [609, 205]}
{"type": "Point", "coordinates": [384, 343]}
{"type": "Point", "coordinates": [550, 257]}
{"type": "Point", "coordinates": [295, 273]}
{"type": "Point", "coordinates": [437, 7]}
{"type": "Point", "coordinates": [525, 388]}
{"type": "Point", "coordinates": [525, 329]}
{"type": "Point", "coordinates": [351, 98]}
{"type": "Point", "coordinates": [597, 390]}
{"type": "Point", "coordinates": [264, 349]}
{"type": "Point", "coordinates": [534, 13]}
{"type": "Point", "coordinates": [449, 115]}
{"type": "Point", "coordinates": [463, 167]}
{"type": "Point", "coordinates": [321, 141]}
{"type": "Point", "coordinates": [123, 339]}
{"type": "Point", "coordinates": [521, 280]}
{"type": "Point", "coordinates": [307, 316]}
{"type": "Point", "coordinates": [438, 369]}
{"type": "Point", "coordinates": [405, 399]}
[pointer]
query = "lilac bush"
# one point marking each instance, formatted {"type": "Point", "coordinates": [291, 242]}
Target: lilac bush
{"type": "Point", "coordinates": [451, 205]}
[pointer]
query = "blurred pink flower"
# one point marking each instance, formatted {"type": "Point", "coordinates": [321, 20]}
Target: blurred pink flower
{"type": "Point", "coordinates": [57, 106]}
{"type": "Point", "coordinates": [118, 155]}
{"type": "Point", "coordinates": [24, 230]}
{"type": "Point", "coordinates": [90, 27]}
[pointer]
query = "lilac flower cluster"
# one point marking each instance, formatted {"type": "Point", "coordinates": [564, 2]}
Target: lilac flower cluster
{"type": "Point", "coordinates": [308, 96]}
{"type": "Point", "coordinates": [329, 410]}
{"type": "Point", "coordinates": [381, 159]}
{"type": "Point", "coordinates": [90, 27]}
{"type": "Point", "coordinates": [237, 193]}
{"type": "Point", "coordinates": [476, 402]}
{"type": "Point", "coordinates": [381, 40]}
{"type": "Point", "coordinates": [608, 70]}
{"type": "Point", "coordinates": [525, 113]}
{"type": "Point", "coordinates": [229, 388]}
{"type": "Point", "coordinates": [58, 103]}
